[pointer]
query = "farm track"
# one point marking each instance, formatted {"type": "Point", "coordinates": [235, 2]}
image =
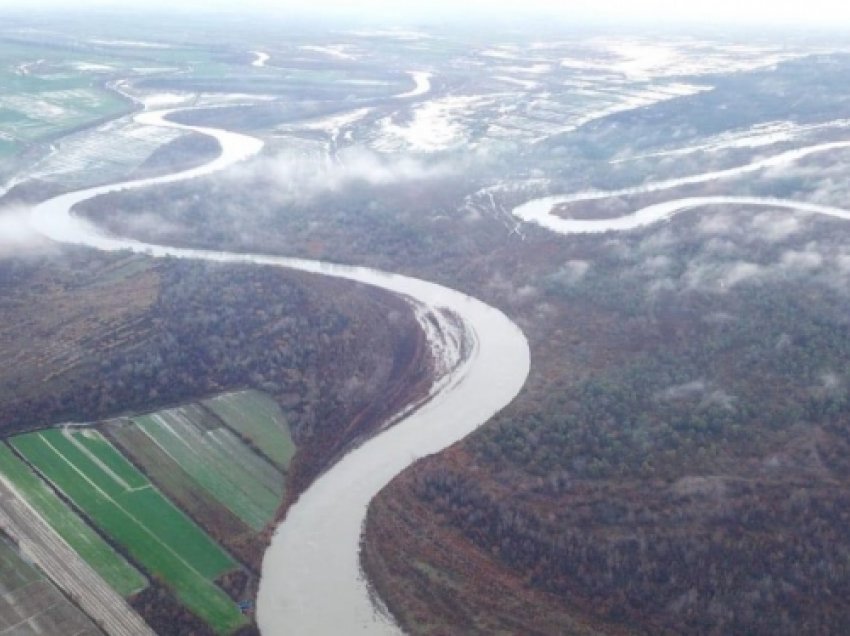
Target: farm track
{"type": "Point", "coordinates": [66, 569]}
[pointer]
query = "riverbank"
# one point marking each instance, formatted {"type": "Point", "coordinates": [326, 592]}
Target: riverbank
{"type": "Point", "coordinates": [327, 591]}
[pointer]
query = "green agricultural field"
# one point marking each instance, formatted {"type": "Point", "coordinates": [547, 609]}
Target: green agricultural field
{"type": "Point", "coordinates": [101, 451]}
{"type": "Point", "coordinates": [176, 483]}
{"type": "Point", "coordinates": [36, 107]}
{"type": "Point", "coordinates": [110, 565]}
{"type": "Point", "coordinates": [222, 464]}
{"type": "Point", "coordinates": [125, 505]}
{"type": "Point", "coordinates": [43, 95]}
{"type": "Point", "coordinates": [259, 419]}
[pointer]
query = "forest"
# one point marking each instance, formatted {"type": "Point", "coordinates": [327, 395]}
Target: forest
{"type": "Point", "coordinates": [676, 462]}
{"type": "Point", "coordinates": [126, 334]}
{"type": "Point", "coordinates": [691, 478]}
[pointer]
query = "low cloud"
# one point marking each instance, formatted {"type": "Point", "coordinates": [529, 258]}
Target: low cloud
{"type": "Point", "coordinates": [829, 384]}
{"type": "Point", "coordinates": [661, 285]}
{"type": "Point", "coordinates": [802, 260]}
{"type": "Point", "coordinates": [571, 272]}
{"type": "Point", "coordinates": [150, 225]}
{"type": "Point", "coordinates": [299, 179]}
{"type": "Point", "coordinates": [830, 381]}
{"type": "Point", "coordinates": [773, 227]}
{"type": "Point", "coordinates": [821, 178]}
{"type": "Point", "coordinates": [657, 264]}
{"type": "Point", "coordinates": [17, 238]}
{"type": "Point", "coordinates": [516, 295]}
{"type": "Point", "coordinates": [718, 223]}
{"type": "Point", "coordinates": [719, 318]}
{"type": "Point", "coordinates": [721, 398]}
{"type": "Point", "coordinates": [701, 390]}
{"type": "Point", "coordinates": [721, 276]}
{"type": "Point", "coordinates": [682, 391]}
{"type": "Point", "coordinates": [721, 247]}
{"type": "Point", "coordinates": [741, 250]}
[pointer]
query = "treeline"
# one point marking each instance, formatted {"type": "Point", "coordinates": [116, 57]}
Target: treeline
{"type": "Point", "coordinates": [735, 556]}
{"type": "Point", "coordinates": [677, 462]}
{"type": "Point", "coordinates": [184, 152]}
{"type": "Point", "coordinates": [712, 389]}
{"type": "Point", "coordinates": [412, 222]}
{"type": "Point", "coordinates": [329, 351]}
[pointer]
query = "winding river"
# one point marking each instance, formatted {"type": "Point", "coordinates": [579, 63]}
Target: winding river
{"type": "Point", "coordinates": [542, 210]}
{"type": "Point", "coordinates": [311, 579]}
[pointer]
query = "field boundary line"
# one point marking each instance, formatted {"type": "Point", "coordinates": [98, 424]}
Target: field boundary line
{"type": "Point", "coordinates": [147, 530]}
{"type": "Point", "coordinates": [67, 434]}
{"type": "Point", "coordinates": [28, 619]}
{"type": "Point", "coordinates": [64, 568]}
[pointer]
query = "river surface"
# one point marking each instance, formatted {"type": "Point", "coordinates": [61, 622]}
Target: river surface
{"type": "Point", "coordinates": [422, 85]}
{"type": "Point", "coordinates": [541, 211]}
{"type": "Point", "coordinates": [311, 579]}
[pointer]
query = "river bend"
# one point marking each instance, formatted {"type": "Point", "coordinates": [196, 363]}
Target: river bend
{"type": "Point", "coordinates": [311, 580]}
{"type": "Point", "coordinates": [541, 211]}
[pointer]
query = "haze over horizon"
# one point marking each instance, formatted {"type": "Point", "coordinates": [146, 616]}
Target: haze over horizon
{"type": "Point", "coordinates": [830, 14]}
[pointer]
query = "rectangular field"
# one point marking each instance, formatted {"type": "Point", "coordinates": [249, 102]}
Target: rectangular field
{"type": "Point", "coordinates": [257, 418]}
{"type": "Point", "coordinates": [35, 106]}
{"type": "Point", "coordinates": [30, 604]}
{"type": "Point", "coordinates": [240, 479]}
{"type": "Point", "coordinates": [179, 486]}
{"type": "Point", "coordinates": [125, 505]}
{"type": "Point", "coordinates": [110, 565]}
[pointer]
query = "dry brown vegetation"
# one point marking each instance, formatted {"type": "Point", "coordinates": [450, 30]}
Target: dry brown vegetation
{"type": "Point", "coordinates": [676, 461]}
{"type": "Point", "coordinates": [92, 336]}
{"type": "Point", "coordinates": [672, 466]}
{"type": "Point", "coordinates": [673, 463]}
